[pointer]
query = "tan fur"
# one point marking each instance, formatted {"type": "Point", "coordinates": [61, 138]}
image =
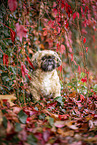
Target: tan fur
{"type": "Point", "coordinates": [43, 83]}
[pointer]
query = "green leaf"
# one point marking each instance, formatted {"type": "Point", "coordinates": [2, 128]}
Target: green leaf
{"type": "Point", "coordinates": [1, 88]}
{"type": "Point", "coordinates": [5, 122]}
{"type": "Point", "coordinates": [42, 116]}
{"type": "Point", "coordinates": [82, 75]}
{"type": "Point", "coordinates": [51, 121]}
{"type": "Point", "coordinates": [18, 127]}
{"type": "Point", "coordinates": [32, 140]}
{"type": "Point", "coordinates": [4, 111]}
{"type": "Point", "coordinates": [95, 88]}
{"type": "Point", "coordinates": [40, 28]}
{"type": "Point", "coordinates": [22, 116]}
{"type": "Point", "coordinates": [13, 70]}
{"type": "Point", "coordinates": [60, 100]}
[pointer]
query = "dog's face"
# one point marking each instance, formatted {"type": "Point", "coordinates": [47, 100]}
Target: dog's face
{"type": "Point", "coordinates": [46, 60]}
{"type": "Point", "coordinates": [48, 63]}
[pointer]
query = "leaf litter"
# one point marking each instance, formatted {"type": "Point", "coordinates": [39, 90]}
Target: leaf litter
{"type": "Point", "coordinates": [64, 120]}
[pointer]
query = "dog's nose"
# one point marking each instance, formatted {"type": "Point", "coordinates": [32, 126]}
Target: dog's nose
{"type": "Point", "coordinates": [49, 60]}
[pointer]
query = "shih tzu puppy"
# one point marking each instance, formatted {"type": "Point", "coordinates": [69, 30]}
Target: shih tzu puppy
{"type": "Point", "coordinates": [44, 79]}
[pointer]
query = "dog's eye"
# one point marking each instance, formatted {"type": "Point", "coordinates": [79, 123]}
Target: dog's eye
{"type": "Point", "coordinates": [53, 57]}
{"type": "Point", "coordinates": [49, 57]}
{"type": "Point", "coordinates": [43, 58]}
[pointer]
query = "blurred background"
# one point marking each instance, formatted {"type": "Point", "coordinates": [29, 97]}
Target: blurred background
{"type": "Point", "coordinates": [26, 26]}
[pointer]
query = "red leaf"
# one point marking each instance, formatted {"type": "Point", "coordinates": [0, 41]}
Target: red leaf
{"type": "Point", "coordinates": [62, 48]}
{"type": "Point", "coordinates": [12, 5]}
{"type": "Point", "coordinates": [94, 38]}
{"type": "Point", "coordinates": [45, 33]}
{"type": "Point", "coordinates": [60, 68]}
{"type": "Point", "coordinates": [84, 40]}
{"type": "Point", "coordinates": [23, 72]}
{"type": "Point", "coordinates": [79, 69]}
{"type": "Point", "coordinates": [12, 33]}
{"type": "Point", "coordinates": [75, 62]}
{"type": "Point", "coordinates": [4, 100]}
{"type": "Point", "coordinates": [30, 62]}
{"type": "Point", "coordinates": [28, 119]}
{"type": "Point", "coordinates": [86, 49]}
{"type": "Point", "coordinates": [66, 25]}
{"type": "Point", "coordinates": [81, 10]}
{"type": "Point", "coordinates": [74, 16]}
{"type": "Point", "coordinates": [68, 9]}
{"type": "Point", "coordinates": [21, 31]}
{"type": "Point", "coordinates": [71, 57]}
{"type": "Point", "coordinates": [84, 79]}
{"type": "Point", "coordinates": [86, 9]}
{"type": "Point", "coordinates": [29, 76]}
{"type": "Point", "coordinates": [82, 98]}
{"type": "Point", "coordinates": [77, 14]}
{"type": "Point", "coordinates": [5, 59]}
{"type": "Point", "coordinates": [63, 117]}
{"type": "Point", "coordinates": [57, 45]}
{"type": "Point", "coordinates": [62, 5]}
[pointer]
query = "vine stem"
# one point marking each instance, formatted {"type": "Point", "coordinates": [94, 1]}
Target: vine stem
{"type": "Point", "coordinates": [23, 51]}
{"type": "Point", "coordinates": [83, 50]}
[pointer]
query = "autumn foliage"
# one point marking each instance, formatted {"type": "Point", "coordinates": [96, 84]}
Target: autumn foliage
{"type": "Point", "coordinates": [69, 28]}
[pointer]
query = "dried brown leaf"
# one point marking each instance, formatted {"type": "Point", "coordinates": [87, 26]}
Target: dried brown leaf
{"type": "Point", "coordinates": [65, 133]}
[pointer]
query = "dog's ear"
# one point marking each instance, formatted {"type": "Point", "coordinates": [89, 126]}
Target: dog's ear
{"type": "Point", "coordinates": [57, 59]}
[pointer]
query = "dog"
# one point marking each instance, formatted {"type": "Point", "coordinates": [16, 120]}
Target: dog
{"type": "Point", "coordinates": [44, 78]}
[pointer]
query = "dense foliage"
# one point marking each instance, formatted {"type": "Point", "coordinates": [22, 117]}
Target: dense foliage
{"type": "Point", "coordinates": [68, 27]}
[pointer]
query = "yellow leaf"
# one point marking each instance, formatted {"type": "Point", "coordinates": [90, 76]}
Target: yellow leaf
{"type": "Point", "coordinates": [9, 98]}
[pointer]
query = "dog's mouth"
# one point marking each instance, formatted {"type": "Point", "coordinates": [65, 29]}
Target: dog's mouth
{"type": "Point", "coordinates": [50, 67]}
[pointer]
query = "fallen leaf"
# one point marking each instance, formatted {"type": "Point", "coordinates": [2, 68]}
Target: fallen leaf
{"type": "Point", "coordinates": [16, 110]}
{"type": "Point", "coordinates": [9, 127]}
{"type": "Point", "coordinates": [1, 119]}
{"type": "Point", "coordinates": [65, 133]}
{"type": "Point", "coordinates": [9, 98]}
{"type": "Point", "coordinates": [69, 124]}
{"type": "Point", "coordinates": [22, 116]}
{"type": "Point", "coordinates": [46, 135]}
{"type": "Point", "coordinates": [91, 139]}
{"type": "Point", "coordinates": [59, 124]}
